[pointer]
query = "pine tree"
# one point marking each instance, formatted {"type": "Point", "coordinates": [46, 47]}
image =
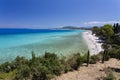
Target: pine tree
{"type": "Point", "coordinates": [116, 28]}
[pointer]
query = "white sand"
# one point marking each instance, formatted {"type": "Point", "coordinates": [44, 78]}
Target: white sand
{"type": "Point", "coordinates": [93, 42]}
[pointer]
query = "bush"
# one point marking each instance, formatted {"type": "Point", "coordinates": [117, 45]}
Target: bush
{"type": "Point", "coordinates": [114, 53]}
{"type": "Point", "coordinates": [84, 58]}
{"type": "Point", "coordinates": [109, 75]}
{"type": "Point", "coordinates": [41, 68]}
{"type": "Point", "coordinates": [49, 65]}
{"type": "Point", "coordinates": [75, 61]}
{"type": "Point", "coordinates": [5, 67]}
{"type": "Point", "coordinates": [94, 59]}
{"type": "Point", "coordinates": [23, 72]}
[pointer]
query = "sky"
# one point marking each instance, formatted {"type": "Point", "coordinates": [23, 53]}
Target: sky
{"type": "Point", "coordinates": [58, 13]}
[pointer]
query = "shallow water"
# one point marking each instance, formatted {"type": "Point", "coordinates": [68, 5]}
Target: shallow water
{"type": "Point", "coordinates": [59, 42]}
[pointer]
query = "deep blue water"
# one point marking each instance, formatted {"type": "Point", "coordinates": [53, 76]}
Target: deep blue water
{"type": "Point", "coordinates": [4, 31]}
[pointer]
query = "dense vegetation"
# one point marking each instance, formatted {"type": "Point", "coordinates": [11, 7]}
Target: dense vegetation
{"type": "Point", "coordinates": [44, 67]}
{"type": "Point", "coordinates": [40, 68]}
{"type": "Point", "coordinates": [110, 36]}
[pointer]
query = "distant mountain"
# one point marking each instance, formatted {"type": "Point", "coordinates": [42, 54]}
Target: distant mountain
{"type": "Point", "coordinates": [73, 27]}
{"type": "Point", "coordinates": [70, 27]}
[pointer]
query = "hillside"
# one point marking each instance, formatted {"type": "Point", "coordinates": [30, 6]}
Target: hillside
{"type": "Point", "coordinates": [93, 71]}
{"type": "Point", "coordinates": [73, 27]}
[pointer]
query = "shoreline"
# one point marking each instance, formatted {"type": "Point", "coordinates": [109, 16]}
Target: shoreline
{"type": "Point", "coordinates": [92, 42]}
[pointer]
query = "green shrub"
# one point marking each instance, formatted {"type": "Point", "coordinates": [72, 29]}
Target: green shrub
{"type": "Point", "coordinates": [5, 67]}
{"type": "Point", "coordinates": [23, 72]}
{"type": "Point", "coordinates": [114, 53]}
{"type": "Point", "coordinates": [94, 59]}
{"type": "Point", "coordinates": [84, 58]}
{"type": "Point", "coordinates": [75, 61]}
{"type": "Point", "coordinates": [43, 67]}
{"type": "Point", "coordinates": [109, 75]}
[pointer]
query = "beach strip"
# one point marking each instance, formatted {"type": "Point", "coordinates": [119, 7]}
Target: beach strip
{"type": "Point", "coordinates": [93, 42]}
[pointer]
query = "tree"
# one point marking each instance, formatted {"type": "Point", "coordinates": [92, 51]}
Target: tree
{"type": "Point", "coordinates": [88, 58]}
{"type": "Point", "coordinates": [116, 28]}
{"type": "Point", "coordinates": [117, 33]}
{"type": "Point", "coordinates": [96, 30]}
{"type": "Point", "coordinates": [103, 58]}
{"type": "Point", "coordinates": [117, 39]}
{"type": "Point", "coordinates": [33, 56]}
{"type": "Point", "coordinates": [105, 53]}
{"type": "Point", "coordinates": [107, 32]}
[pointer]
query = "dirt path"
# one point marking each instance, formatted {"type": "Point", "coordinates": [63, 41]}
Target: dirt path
{"type": "Point", "coordinates": [92, 72]}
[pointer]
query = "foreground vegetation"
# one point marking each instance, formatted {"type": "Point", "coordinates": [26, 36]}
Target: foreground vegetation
{"type": "Point", "coordinates": [40, 68]}
{"type": "Point", "coordinates": [45, 67]}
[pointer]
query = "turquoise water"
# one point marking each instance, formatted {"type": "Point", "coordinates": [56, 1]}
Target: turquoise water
{"type": "Point", "coordinates": [61, 43]}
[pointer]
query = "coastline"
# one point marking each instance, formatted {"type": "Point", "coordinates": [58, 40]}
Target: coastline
{"type": "Point", "coordinates": [93, 42]}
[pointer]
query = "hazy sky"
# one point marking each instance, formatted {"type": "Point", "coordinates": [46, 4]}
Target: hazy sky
{"type": "Point", "coordinates": [57, 13]}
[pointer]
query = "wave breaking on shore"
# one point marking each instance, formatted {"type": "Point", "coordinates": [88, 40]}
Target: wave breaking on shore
{"type": "Point", "coordinates": [93, 42]}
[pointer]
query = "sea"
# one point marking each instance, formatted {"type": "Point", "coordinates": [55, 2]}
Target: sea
{"type": "Point", "coordinates": [21, 42]}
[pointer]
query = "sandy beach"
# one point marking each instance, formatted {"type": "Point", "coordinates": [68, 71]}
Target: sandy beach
{"type": "Point", "coordinates": [93, 43]}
